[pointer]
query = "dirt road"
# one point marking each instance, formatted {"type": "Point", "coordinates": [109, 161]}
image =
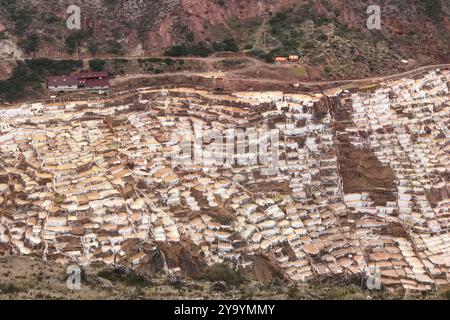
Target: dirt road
{"type": "Point", "coordinates": [231, 75]}
{"type": "Point", "coordinates": [250, 65]}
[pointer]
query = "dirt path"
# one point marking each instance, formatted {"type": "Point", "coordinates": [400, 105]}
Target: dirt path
{"type": "Point", "coordinates": [254, 64]}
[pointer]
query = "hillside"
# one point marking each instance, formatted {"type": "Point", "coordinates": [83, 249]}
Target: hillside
{"type": "Point", "coordinates": [328, 34]}
{"type": "Point", "coordinates": [26, 278]}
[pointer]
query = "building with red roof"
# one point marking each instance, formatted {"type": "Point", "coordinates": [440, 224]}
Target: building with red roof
{"type": "Point", "coordinates": [82, 81]}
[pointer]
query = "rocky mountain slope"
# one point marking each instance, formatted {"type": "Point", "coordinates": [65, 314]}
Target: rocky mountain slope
{"type": "Point", "coordinates": [331, 34]}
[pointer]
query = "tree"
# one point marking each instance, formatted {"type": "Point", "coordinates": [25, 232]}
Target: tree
{"type": "Point", "coordinates": [30, 44]}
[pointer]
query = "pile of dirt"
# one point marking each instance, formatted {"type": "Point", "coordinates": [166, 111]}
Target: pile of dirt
{"type": "Point", "coordinates": [362, 172]}
{"type": "Point", "coordinates": [264, 270]}
{"type": "Point", "coordinates": [183, 255]}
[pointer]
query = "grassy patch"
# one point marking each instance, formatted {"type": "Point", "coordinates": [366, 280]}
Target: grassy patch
{"type": "Point", "coordinates": [299, 72]}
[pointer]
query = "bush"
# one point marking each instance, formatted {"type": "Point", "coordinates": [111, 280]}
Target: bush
{"type": "Point", "coordinates": [127, 277]}
{"type": "Point", "coordinates": [74, 39]}
{"type": "Point", "coordinates": [113, 47]}
{"type": "Point", "coordinates": [97, 64]}
{"type": "Point", "coordinates": [222, 272]}
{"type": "Point", "coordinates": [177, 51]}
{"type": "Point", "coordinates": [446, 295]}
{"type": "Point", "coordinates": [92, 47]}
{"type": "Point", "coordinates": [30, 44]}
{"type": "Point", "coordinates": [199, 49]}
{"type": "Point", "coordinates": [51, 67]}
{"type": "Point", "coordinates": [9, 288]}
{"type": "Point", "coordinates": [169, 61]}
{"type": "Point", "coordinates": [22, 19]}
{"type": "Point", "coordinates": [268, 57]}
{"type": "Point", "coordinates": [226, 45]}
{"type": "Point", "coordinates": [433, 8]}
{"type": "Point", "coordinates": [150, 60]}
{"type": "Point", "coordinates": [110, 3]}
{"type": "Point", "coordinates": [293, 292]}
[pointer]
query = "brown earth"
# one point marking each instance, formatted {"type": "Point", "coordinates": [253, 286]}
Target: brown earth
{"type": "Point", "coordinates": [362, 172]}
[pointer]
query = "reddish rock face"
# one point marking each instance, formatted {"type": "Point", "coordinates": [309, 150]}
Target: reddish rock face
{"type": "Point", "coordinates": [150, 27]}
{"type": "Point", "coordinates": [205, 17]}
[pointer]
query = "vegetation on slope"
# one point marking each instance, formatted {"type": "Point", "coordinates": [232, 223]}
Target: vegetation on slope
{"type": "Point", "coordinates": [29, 76]}
{"type": "Point", "coordinates": [202, 49]}
{"type": "Point", "coordinates": [33, 278]}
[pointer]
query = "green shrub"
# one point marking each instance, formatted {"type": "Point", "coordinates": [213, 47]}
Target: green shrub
{"type": "Point", "coordinates": [22, 19]}
{"type": "Point", "coordinates": [222, 272]}
{"type": "Point", "coordinates": [92, 47]}
{"type": "Point", "coordinates": [198, 49]}
{"type": "Point", "coordinates": [169, 61]}
{"type": "Point", "coordinates": [110, 3]}
{"type": "Point", "coordinates": [114, 47]}
{"type": "Point", "coordinates": [97, 64]}
{"type": "Point", "coordinates": [268, 57]}
{"type": "Point", "coordinates": [151, 60]}
{"type": "Point", "coordinates": [75, 39]}
{"type": "Point", "coordinates": [293, 292]}
{"type": "Point", "coordinates": [177, 51]}
{"type": "Point", "coordinates": [226, 45]}
{"type": "Point", "coordinates": [446, 295]}
{"type": "Point", "coordinates": [433, 8]}
{"type": "Point", "coordinates": [30, 44]}
{"type": "Point", "coordinates": [9, 288]}
{"type": "Point", "coordinates": [129, 278]}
